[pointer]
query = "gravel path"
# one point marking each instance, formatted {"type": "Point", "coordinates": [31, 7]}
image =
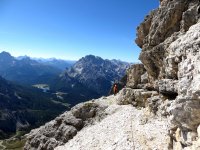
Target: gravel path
{"type": "Point", "coordinates": [2, 146]}
{"type": "Point", "coordinates": [125, 128]}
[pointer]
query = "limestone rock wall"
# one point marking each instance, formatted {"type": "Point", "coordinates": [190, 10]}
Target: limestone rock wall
{"type": "Point", "coordinates": [170, 42]}
{"type": "Point", "coordinates": [185, 109]}
{"type": "Point", "coordinates": [161, 27]}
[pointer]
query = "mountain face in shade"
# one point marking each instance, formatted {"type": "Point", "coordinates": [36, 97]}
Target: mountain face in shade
{"type": "Point", "coordinates": [24, 108]}
{"type": "Point", "coordinates": [25, 70]}
{"type": "Point", "coordinates": [6, 61]}
{"type": "Point", "coordinates": [96, 73]}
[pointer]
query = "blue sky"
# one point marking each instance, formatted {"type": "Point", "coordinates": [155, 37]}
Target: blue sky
{"type": "Point", "coordinates": [71, 29]}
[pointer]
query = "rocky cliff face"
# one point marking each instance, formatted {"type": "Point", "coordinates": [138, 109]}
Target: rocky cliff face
{"type": "Point", "coordinates": [160, 106]}
{"type": "Point", "coordinates": [159, 29]}
{"type": "Point", "coordinates": [169, 38]}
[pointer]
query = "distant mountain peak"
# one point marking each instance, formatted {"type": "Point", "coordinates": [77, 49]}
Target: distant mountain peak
{"type": "Point", "coordinates": [22, 57]}
{"type": "Point", "coordinates": [6, 59]}
{"type": "Point", "coordinates": [5, 54]}
{"type": "Point", "coordinates": [26, 58]}
{"type": "Point", "coordinates": [92, 57]}
{"type": "Point", "coordinates": [97, 73]}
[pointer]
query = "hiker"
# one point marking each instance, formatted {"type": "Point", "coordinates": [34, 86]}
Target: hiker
{"type": "Point", "coordinates": [115, 90]}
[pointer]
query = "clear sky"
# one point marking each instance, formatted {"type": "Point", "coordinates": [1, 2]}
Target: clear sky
{"type": "Point", "coordinates": [71, 29]}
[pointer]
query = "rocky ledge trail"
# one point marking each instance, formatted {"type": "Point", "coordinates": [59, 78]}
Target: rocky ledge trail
{"type": "Point", "coordinates": [107, 123]}
{"type": "Point", "coordinates": [125, 127]}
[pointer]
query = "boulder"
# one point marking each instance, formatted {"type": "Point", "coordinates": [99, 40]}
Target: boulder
{"type": "Point", "coordinates": [134, 74]}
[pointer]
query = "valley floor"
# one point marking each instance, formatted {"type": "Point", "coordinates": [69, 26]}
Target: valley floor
{"type": "Point", "coordinates": [12, 144]}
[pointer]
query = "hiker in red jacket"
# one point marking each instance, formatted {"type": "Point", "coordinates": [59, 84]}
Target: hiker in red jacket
{"type": "Point", "coordinates": [115, 89]}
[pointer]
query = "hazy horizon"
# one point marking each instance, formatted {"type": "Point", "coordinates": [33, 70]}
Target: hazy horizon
{"type": "Point", "coordinates": [72, 29]}
{"type": "Point", "coordinates": [61, 58]}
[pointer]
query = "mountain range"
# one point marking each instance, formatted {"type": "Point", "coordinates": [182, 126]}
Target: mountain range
{"type": "Point", "coordinates": [33, 92]}
{"type": "Point", "coordinates": [89, 77]}
{"type": "Point", "coordinates": [26, 70]}
{"type": "Point", "coordinates": [58, 63]}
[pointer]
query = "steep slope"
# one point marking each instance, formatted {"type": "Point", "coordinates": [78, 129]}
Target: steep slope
{"type": "Point", "coordinates": [22, 109]}
{"type": "Point", "coordinates": [71, 90]}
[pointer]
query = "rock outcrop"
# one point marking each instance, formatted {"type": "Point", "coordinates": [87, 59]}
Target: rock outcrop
{"type": "Point", "coordinates": [159, 108]}
{"type": "Point", "coordinates": [159, 29]}
{"type": "Point", "coordinates": [136, 76]}
{"type": "Point", "coordinates": [64, 127]}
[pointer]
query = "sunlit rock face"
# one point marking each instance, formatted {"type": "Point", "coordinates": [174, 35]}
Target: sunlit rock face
{"type": "Point", "coordinates": [159, 29]}
{"type": "Point", "coordinates": [185, 109]}
{"type": "Point", "coordinates": [170, 42]}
